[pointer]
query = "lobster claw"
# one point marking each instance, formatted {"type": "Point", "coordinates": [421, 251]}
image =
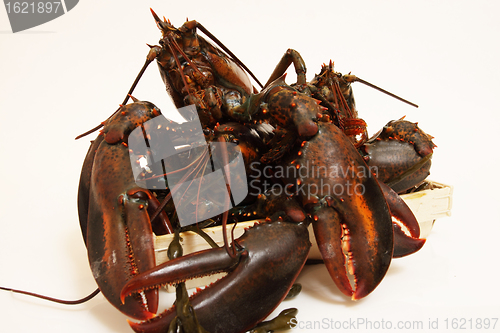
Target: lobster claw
{"type": "Point", "coordinates": [406, 228]}
{"type": "Point", "coordinates": [352, 222]}
{"type": "Point", "coordinates": [401, 152]}
{"type": "Point", "coordinates": [116, 225]}
{"type": "Point", "coordinates": [269, 260]}
{"type": "Point", "coordinates": [356, 239]}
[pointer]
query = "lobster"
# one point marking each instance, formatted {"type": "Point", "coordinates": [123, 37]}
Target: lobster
{"type": "Point", "coordinates": [312, 129]}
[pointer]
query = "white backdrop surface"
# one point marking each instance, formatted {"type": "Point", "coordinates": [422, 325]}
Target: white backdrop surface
{"type": "Point", "coordinates": [62, 78]}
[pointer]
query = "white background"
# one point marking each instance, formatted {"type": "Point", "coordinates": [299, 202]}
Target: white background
{"type": "Point", "coordinates": [64, 77]}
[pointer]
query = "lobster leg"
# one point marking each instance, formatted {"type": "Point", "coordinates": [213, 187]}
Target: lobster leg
{"type": "Point", "coordinates": [186, 320]}
{"type": "Point", "coordinates": [290, 56]}
{"type": "Point", "coordinates": [257, 282]}
{"type": "Point", "coordinates": [117, 228]}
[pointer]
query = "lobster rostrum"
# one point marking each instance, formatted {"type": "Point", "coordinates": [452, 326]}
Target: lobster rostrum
{"type": "Point", "coordinates": [312, 144]}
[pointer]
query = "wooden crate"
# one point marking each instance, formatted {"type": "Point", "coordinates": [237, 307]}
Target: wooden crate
{"type": "Point", "coordinates": [429, 204]}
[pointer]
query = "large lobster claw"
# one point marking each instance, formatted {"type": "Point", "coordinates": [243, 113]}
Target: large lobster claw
{"type": "Point", "coordinates": [114, 213]}
{"type": "Point", "coordinates": [406, 227]}
{"type": "Point", "coordinates": [352, 222]}
{"type": "Point", "coordinates": [269, 260]}
{"type": "Point", "coordinates": [401, 153]}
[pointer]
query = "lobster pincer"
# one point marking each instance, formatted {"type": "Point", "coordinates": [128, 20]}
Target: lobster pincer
{"type": "Point", "coordinates": [115, 220]}
{"type": "Point", "coordinates": [269, 259]}
{"type": "Point", "coordinates": [352, 222]}
{"type": "Point", "coordinates": [401, 152]}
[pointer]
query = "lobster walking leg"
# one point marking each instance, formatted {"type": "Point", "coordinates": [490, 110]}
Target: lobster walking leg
{"type": "Point", "coordinates": [290, 56]}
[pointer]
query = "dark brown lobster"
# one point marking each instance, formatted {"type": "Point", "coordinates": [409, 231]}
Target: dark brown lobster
{"type": "Point", "coordinates": [315, 148]}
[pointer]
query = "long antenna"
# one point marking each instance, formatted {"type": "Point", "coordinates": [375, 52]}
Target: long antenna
{"type": "Point", "coordinates": [131, 90]}
{"type": "Point", "coordinates": [231, 54]}
{"type": "Point", "coordinates": [357, 79]}
{"type": "Point", "coordinates": [52, 299]}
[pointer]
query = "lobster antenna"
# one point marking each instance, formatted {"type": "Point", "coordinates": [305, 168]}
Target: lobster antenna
{"type": "Point", "coordinates": [129, 94]}
{"type": "Point", "coordinates": [231, 54]}
{"type": "Point", "coordinates": [56, 300]}
{"type": "Point", "coordinates": [357, 79]}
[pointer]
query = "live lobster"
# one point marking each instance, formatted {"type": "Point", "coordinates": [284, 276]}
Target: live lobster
{"type": "Point", "coordinates": [312, 128]}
